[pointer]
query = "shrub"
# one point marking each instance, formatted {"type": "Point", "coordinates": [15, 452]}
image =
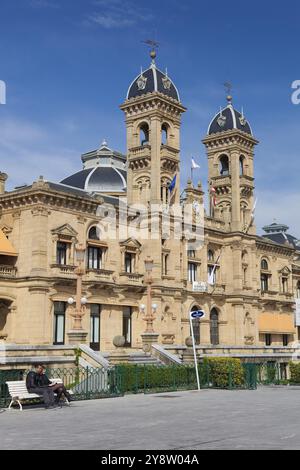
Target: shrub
{"type": "Point", "coordinates": [223, 373]}
{"type": "Point", "coordinates": [295, 372]}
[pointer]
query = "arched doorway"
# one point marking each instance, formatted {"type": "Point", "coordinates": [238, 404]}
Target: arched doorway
{"type": "Point", "coordinates": [214, 327]}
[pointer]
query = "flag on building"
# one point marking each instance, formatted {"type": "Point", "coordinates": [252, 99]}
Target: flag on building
{"type": "Point", "coordinates": [195, 165]}
{"type": "Point", "coordinates": [212, 275]}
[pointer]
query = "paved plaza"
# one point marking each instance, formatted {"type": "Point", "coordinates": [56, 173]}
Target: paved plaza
{"type": "Point", "coordinates": [268, 418]}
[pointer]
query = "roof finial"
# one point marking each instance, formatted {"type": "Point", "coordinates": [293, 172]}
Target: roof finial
{"type": "Point", "coordinates": [153, 48]}
{"type": "Point", "coordinates": [104, 143]}
{"type": "Point", "coordinates": [228, 88]}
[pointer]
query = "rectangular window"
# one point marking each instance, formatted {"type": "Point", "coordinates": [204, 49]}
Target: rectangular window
{"type": "Point", "coordinates": [192, 272]}
{"type": "Point", "coordinates": [127, 326]}
{"type": "Point", "coordinates": [94, 260]}
{"type": "Point", "coordinates": [285, 340]}
{"type": "Point", "coordinates": [95, 327]}
{"type": "Point", "coordinates": [264, 283]}
{"type": "Point", "coordinates": [59, 323]}
{"type": "Point", "coordinates": [284, 285]}
{"type": "Point", "coordinates": [62, 253]}
{"type": "Point", "coordinates": [268, 340]}
{"type": "Point", "coordinates": [129, 262]}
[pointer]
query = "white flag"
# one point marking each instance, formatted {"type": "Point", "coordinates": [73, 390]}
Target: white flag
{"type": "Point", "coordinates": [212, 276]}
{"type": "Point", "coordinates": [195, 165]}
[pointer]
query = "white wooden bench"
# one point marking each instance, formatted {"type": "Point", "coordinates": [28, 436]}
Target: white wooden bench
{"type": "Point", "coordinates": [19, 393]}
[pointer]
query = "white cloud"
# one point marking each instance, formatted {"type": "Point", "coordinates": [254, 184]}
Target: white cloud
{"type": "Point", "coordinates": [118, 14]}
{"type": "Point", "coordinates": [282, 206]}
{"type": "Point", "coordinates": [27, 151]}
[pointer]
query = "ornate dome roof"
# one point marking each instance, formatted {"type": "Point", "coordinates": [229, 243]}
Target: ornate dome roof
{"type": "Point", "coordinates": [153, 80]}
{"type": "Point", "coordinates": [229, 119]}
{"type": "Point", "coordinates": [104, 172]}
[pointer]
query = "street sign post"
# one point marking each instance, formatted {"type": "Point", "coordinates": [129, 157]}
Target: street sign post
{"type": "Point", "coordinates": [197, 315]}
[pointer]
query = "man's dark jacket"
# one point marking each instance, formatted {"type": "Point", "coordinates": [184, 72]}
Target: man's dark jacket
{"type": "Point", "coordinates": [34, 380]}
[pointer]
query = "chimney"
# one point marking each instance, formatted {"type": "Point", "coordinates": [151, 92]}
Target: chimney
{"type": "Point", "coordinates": [3, 178]}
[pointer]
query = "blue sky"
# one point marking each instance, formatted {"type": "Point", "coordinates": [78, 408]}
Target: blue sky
{"type": "Point", "coordinates": [68, 63]}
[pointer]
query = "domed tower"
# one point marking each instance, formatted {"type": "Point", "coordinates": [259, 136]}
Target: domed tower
{"type": "Point", "coordinates": [153, 117]}
{"type": "Point", "coordinates": [230, 149]}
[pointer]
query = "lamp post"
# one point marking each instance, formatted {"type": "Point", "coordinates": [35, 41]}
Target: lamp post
{"type": "Point", "coordinates": [77, 333]}
{"type": "Point", "coordinates": [149, 337]}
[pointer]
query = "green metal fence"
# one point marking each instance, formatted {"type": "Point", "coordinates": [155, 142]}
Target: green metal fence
{"type": "Point", "coordinates": [85, 383]}
{"type": "Point", "coordinates": [154, 379]}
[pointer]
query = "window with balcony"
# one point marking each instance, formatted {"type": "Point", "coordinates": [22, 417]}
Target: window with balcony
{"type": "Point", "coordinates": [129, 262]}
{"type": "Point", "coordinates": [284, 285]}
{"type": "Point", "coordinates": [264, 282]}
{"type": "Point", "coordinates": [264, 276]}
{"type": "Point", "coordinates": [192, 272]}
{"type": "Point", "coordinates": [62, 253]}
{"type": "Point", "coordinates": [94, 258]}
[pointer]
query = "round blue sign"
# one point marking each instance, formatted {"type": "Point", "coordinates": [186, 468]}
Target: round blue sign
{"type": "Point", "coordinates": [198, 314]}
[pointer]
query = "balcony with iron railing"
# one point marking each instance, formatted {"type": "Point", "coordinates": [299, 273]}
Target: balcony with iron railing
{"type": "Point", "coordinates": [8, 272]}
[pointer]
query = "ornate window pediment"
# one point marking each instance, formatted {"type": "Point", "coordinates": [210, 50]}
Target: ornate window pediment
{"type": "Point", "coordinates": [65, 231]}
{"type": "Point", "coordinates": [131, 244]}
{"type": "Point", "coordinates": [285, 271]}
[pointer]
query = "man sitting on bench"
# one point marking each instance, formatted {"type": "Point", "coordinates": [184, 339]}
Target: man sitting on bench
{"type": "Point", "coordinates": [37, 382]}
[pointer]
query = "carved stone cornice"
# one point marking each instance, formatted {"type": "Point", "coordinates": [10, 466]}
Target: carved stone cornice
{"type": "Point", "coordinates": [53, 199]}
{"type": "Point", "coordinates": [230, 138]}
{"type": "Point", "coordinates": [152, 102]}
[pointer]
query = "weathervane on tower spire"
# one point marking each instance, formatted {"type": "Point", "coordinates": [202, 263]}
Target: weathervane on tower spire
{"type": "Point", "coordinates": [154, 45]}
{"type": "Point", "coordinates": [228, 87]}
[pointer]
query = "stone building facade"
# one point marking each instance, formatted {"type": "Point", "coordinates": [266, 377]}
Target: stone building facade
{"type": "Point", "coordinates": [250, 305]}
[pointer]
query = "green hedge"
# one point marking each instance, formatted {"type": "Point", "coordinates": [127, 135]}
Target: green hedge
{"type": "Point", "coordinates": [143, 378]}
{"type": "Point", "coordinates": [295, 372]}
{"type": "Point", "coordinates": [223, 373]}
{"type": "Point", "coordinates": [216, 373]}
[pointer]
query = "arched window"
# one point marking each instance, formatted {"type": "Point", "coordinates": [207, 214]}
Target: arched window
{"type": "Point", "coordinates": [196, 327]}
{"type": "Point", "coordinates": [242, 165]}
{"type": "Point", "coordinates": [164, 134]}
{"type": "Point", "coordinates": [298, 290]}
{"type": "Point", "coordinates": [264, 265]}
{"type": "Point", "coordinates": [264, 277]}
{"type": "Point", "coordinates": [224, 165]}
{"type": "Point", "coordinates": [214, 327]}
{"type": "Point", "coordinates": [94, 233]}
{"type": "Point", "coordinates": [144, 134]}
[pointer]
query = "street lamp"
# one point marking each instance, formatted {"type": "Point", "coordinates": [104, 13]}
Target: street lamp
{"type": "Point", "coordinates": [151, 309]}
{"type": "Point", "coordinates": [80, 301]}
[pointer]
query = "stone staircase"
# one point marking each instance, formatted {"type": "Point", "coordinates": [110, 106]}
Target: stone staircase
{"type": "Point", "coordinates": [143, 358]}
